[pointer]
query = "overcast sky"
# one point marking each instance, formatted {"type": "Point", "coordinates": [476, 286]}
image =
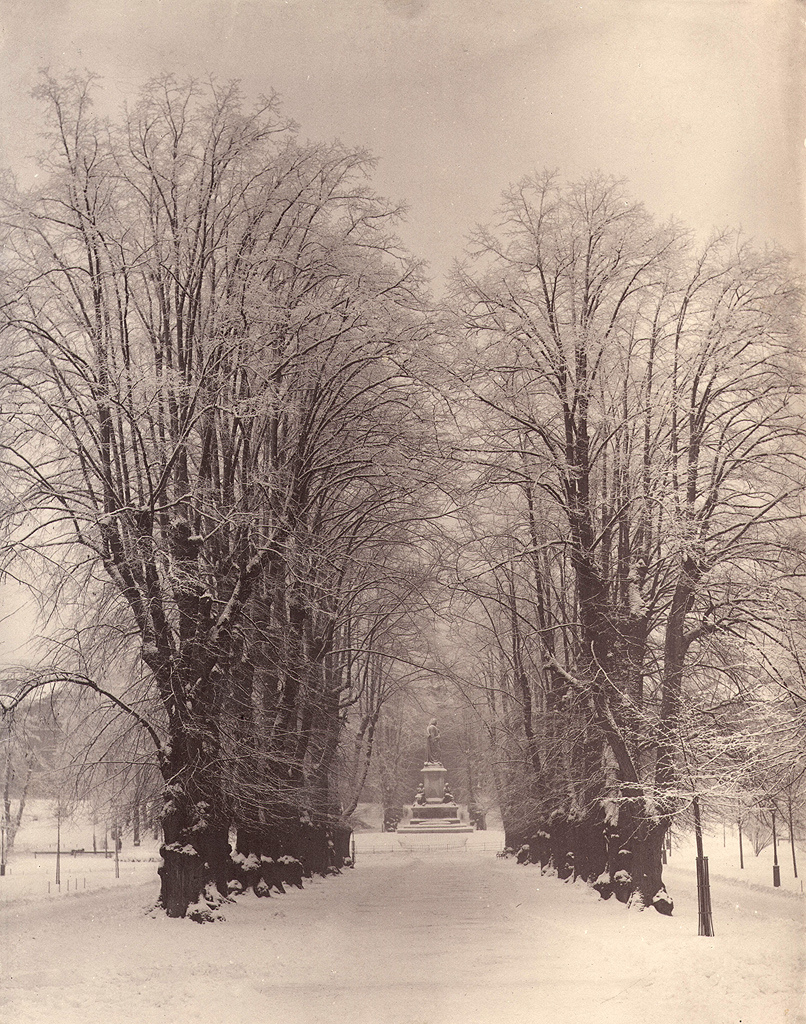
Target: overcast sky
{"type": "Point", "coordinates": [698, 103]}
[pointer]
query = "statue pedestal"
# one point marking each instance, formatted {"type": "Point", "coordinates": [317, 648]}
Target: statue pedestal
{"type": "Point", "coordinates": [434, 776]}
{"type": "Point", "coordinates": [433, 813]}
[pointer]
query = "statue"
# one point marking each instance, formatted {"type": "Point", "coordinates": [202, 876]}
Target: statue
{"type": "Point", "coordinates": [434, 808]}
{"type": "Point", "coordinates": [432, 754]}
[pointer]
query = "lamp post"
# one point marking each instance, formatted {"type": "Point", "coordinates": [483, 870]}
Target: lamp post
{"type": "Point", "coordinates": [776, 870]}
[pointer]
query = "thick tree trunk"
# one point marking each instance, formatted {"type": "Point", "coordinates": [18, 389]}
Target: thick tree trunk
{"type": "Point", "coordinates": [195, 854]}
{"type": "Point", "coordinates": [634, 836]}
{"type": "Point", "coordinates": [648, 869]}
{"type": "Point", "coordinates": [247, 869]}
{"type": "Point", "coordinates": [561, 843]}
{"type": "Point", "coordinates": [341, 835]}
{"type": "Point", "coordinates": [590, 850]}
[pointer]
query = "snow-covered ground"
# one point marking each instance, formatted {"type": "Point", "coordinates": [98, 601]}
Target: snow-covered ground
{"type": "Point", "coordinates": [438, 933]}
{"type": "Point", "coordinates": [428, 937]}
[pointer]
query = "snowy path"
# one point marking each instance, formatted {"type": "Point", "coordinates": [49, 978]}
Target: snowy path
{"type": "Point", "coordinates": [406, 940]}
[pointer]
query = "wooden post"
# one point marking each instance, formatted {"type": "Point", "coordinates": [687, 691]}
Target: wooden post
{"type": "Point", "coordinates": [116, 841]}
{"type": "Point", "coordinates": [705, 917]}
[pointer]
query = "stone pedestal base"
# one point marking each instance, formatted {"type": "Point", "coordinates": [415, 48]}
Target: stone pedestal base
{"type": "Point", "coordinates": [433, 814]}
{"type": "Point", "coordinates": [437, 827]}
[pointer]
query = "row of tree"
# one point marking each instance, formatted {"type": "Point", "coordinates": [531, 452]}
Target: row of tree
{"type": "Point", "coordinates": [251, 457]}
{"type": "Point", "coordinates": [632, 558]}
{"type": "Point", "coordinates": [214, 437]}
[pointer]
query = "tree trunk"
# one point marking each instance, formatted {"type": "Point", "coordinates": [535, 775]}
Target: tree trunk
{"type": "Point", "coordinates": [250, 867]}
{"type": "Point", "coordinates": [648, 869]}
{"type": "Point", "coordinates": [634, 838]}
{"type": "Point", "coordinates": [590, 850]}
{"type": "Point", "coordinates": [195, 853]}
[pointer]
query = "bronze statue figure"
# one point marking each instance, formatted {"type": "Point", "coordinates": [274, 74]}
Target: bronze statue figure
{"type": "Point", "coordinates": [432, 753]}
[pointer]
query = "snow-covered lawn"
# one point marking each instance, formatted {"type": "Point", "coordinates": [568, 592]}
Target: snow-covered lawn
{"type": "Point", "coordinates": [423, 938]}
{"type": "Point", "coordinates": [31, 868]}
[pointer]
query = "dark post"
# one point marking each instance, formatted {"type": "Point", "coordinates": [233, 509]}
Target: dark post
{"type": "Point", "coordinates": [117, 849]}
{"type": "Point", "coordinates": [741, 851]}
{"type": "Point", "coordinates": [352, 850]}
{"type": "Point", "coordinates": [776, 870]}
{"type": "Point", "coordinates": [705, 917]}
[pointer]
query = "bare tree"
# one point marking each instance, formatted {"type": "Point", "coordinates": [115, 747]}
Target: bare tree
{"type": "Point", "coordinates": [640, 429]}
{"type": "Point", "coordinates": [209, 328]}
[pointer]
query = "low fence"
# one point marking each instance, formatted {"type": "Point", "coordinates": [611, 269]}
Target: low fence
{"type": "Point", "coordinates": [74, 853]}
